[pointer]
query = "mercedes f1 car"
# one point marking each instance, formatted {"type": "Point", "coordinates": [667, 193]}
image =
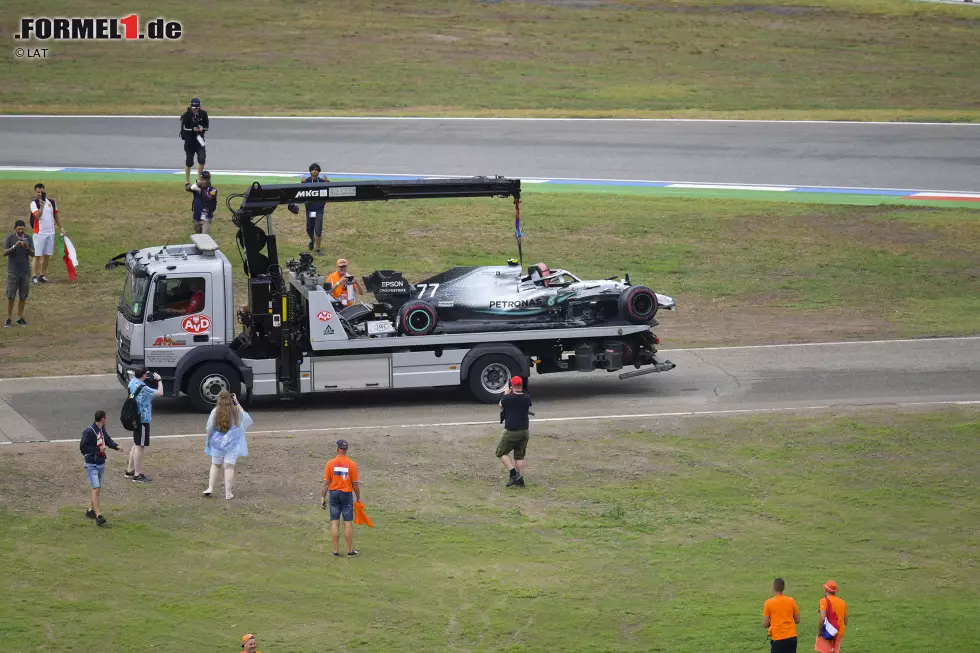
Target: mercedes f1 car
{"type": "Point", "coordinates": [496, 298]}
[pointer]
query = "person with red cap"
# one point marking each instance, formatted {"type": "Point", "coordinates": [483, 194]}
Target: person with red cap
{"type": "Point", "coordinates": [833, 620]}
{"type": "Point", "coordinates": [515, 406]}
{"type": "Point", "coordinates": [248, 644]}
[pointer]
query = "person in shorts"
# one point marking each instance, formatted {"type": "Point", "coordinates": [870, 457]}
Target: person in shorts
{"type": "Point", "coordinates": [515, 406]}
{"type": "Point", "coordinates": [204, 204]}
{"type": "Point", "coordinates": [18, 247]}
{"type": "Point", "coordinates": [144, 395]}
{"type": "Point", "coordinates": [44, 217]}
{"type": "Point", "coordinates": [194, 124]}
{"type": "Point", "coordinates": [340, 478]}
{"type": "Point", "coordinates": [95, 440]}
{"type": "Point", "coordinates": [225, 442]}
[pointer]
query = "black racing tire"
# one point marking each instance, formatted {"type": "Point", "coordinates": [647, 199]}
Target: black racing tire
{"type": "Point", "coordinates": [416, 318]}
{"type": "Point", "coordinates": [638, 305]}
{"type": "Point", "coordinates": [489, 375]}
{"type": "Point", "coordinates": [208, 380]}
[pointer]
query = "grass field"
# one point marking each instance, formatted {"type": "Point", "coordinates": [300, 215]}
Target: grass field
{"type": "Point", "coordinates": [661, 536]}
{"type": "Point", "coordinates": [836, 59]}
{"type": "Point", "coordinates": [743, 272]}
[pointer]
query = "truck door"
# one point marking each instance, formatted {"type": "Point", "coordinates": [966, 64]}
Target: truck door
{"type": "Point", "coordinates": [182, 314]}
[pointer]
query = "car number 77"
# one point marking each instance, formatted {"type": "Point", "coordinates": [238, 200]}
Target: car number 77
{"type": "Point", "coordinates": [424, 286]}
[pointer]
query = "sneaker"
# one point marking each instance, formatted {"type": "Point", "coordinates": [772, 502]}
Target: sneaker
{"type": "Point", "coordinates": [206, 493]}
{"type": "Point", "coordinates": [100, 520]}
{"type": "Point", "coordinates": [514, 480]}
{"type": "Point", "coordinates": [142, 478]}
{"type": "Point", "coordinates": [310, 246]}
{"type": "Point", "coordinates": [130, 474]}
{"type": "Point", "coordinates": [42, 279]}
{"type": "Point", "coordinates": [336, 555]}
{"type": "Point", "coordinates": [351, 554]}
{"type": "Point", "coordinates": [35, 281]}
{"type": "Point", "coordinates": [319, 252]}
{"type": "Point", "coordinates": [7, 324]}
{"type": "Point", "coordinates": [90, 514]}
{"type": "Point", "coordinates": [520, 482]}
{"type": "Point", "coordinates": [21, 321]}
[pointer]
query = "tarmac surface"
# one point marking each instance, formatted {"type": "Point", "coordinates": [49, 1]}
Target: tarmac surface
{"type": "Point", "coordinates": [864, 155]}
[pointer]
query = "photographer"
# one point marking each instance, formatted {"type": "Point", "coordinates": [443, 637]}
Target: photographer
{"type": "Point", "coordinates": [193, 125]}
{"type": "Point", "coordinates": [44, 217]}
{"type": "Point", "coordinates": [204, 204]}
{"type": "Point", "coordinates": [515, 406]}
{"type": "Point", "coordinates": [314, 211]}
{"type": "Point", "coordinates": [144, 395]}
{"type": "Point", "coordinates": [18, 247]}
{"type": "Point", "coordinates": [344, 287]}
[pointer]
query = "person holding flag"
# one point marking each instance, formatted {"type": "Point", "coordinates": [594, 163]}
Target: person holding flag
{"type": "Point", "coordinates": [44, 217]}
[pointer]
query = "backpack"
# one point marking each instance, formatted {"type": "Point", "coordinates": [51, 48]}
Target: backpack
{"type": "Point", "coordinates": [130, 413]}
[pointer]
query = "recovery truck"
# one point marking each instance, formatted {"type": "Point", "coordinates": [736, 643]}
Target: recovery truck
{"type": "Point", "coordinates": [177, 316]}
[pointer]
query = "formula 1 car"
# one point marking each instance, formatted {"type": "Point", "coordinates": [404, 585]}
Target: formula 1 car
{"type": "Point", "coordinates": [496, 298]}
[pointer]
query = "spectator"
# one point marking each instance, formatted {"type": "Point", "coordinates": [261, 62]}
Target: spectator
{"type": "Point", "coordinates": [515, 406]}
{"type": "Point", "coordinates": [831, 603]}
{"type": "Point", "coordinates": [341, 480]}
{"type": "Point", "coordinates": [225, 441]}
{"type": "Point", "coordinates": [344, 286]}
{"type": "Point", "coordinates": [204, 204]}
{"type": "Point", "coordinates": [18, 247]}
{"type": "Point", "coordinates": [314, 211]}
{"type": "Point", "coordinates": [94, 441]}
{"type": "Point", "coordinates": [141, 436]}
{"type": "Point", "coordinates": [193, 125]}
{"type": "Point", "coordinates": [248, 644]}
{"type": "Point", "coordinates": [44, 216]}
{"type": "Point", "coordinates": [780, 615]}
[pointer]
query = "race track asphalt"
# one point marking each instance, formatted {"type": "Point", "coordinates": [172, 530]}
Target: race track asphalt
{"type": "Point", "coordinates": [907, 156]}
{"type": "Point", "coordinates": [918, 372]}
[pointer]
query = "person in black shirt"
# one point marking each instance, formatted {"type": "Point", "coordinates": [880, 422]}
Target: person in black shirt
{"type": "Point", "coordinates": [314, 211]}
{"type": "Point", "coordinates": [515, 407]}
{"type": "Point", "coordinates": [94, 442]}
{"type": "Point", "coordinates": [193, 125]}
{"type": "Point", "coordinates": [204, 204]}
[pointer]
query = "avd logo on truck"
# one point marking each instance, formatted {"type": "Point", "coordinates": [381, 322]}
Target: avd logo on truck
{"type": "Point", "coordinates": [324, 316]}
{"type": "Point", "coordinates": [196, 323]}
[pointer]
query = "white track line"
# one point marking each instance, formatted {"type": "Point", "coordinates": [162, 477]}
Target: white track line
{"type": "Point", "coordinates": [515, 119]}
{"type": "Point", "coordinates": [583, 418]}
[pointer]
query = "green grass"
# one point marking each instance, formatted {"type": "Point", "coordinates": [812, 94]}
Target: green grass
{"type": "Point", "coordinates": [804, 271]}
{"type": "Point", "coordinates": [659, 540]}
{"type": "Point", "coordinates": [836, 59]}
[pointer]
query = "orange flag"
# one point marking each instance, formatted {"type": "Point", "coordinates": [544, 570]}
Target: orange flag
{"type": "Point", "coordinates": [360, 517]}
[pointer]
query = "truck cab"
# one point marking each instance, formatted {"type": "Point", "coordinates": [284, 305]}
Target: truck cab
{"type": "Point", "coordinates": [176, 312]}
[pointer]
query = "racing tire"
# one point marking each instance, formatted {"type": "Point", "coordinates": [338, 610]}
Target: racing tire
{"type": "Point", "coordinates": [489, 375]}
{"type": "Point", "coordinates": [638, 305]}
{"type": "Point", "coordinates": [207, 381]}
{"type": "Point", "coordinates": [416, 318]}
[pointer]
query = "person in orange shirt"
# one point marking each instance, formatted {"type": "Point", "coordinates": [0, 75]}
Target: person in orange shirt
{"type": "Point", "coordinates": [341, 480]}
{"type": "Point", "coordinates": [780, 616]}
{"type": "Point", "coordinates": [344, 287]}
{"type": "Point", "coordinates": [840, 609]}
{"type": "Point", "coordinates": [248, 644]}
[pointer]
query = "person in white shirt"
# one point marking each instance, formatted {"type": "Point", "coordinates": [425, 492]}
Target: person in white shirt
{"type": "Point", "coordinates": [44, 217]}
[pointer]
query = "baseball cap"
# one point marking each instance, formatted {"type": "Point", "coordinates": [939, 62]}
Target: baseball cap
{"type": "Point", "coordinates": [830, 586]}
{"type": "Point", "coordinates": [195, 102]}
{"type": "Point", "coordinates": [516, 380]}
{"type": "Point", "coordinates": [247, 637]}
{"type": "Point", "coordinates": [206, 174]}
{"type": "Point", "coordinates": [342, 444]}
{"type": "Point", "coordinates": [341, 261]}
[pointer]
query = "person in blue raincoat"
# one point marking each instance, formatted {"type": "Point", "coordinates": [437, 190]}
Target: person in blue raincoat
{"type": "Point", "coordinates": [225, 440]}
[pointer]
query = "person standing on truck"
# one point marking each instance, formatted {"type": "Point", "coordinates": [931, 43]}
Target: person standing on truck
{"type": "Point", "coordinates": [340, 478]}
{"type": "Point", "coordinates": [204, 204]}
{"type": "Point", "coordinates": [18, 247]}
{"type": "Point", "coordinates": [44, 216]}
{"type": "Point", "coordinates": [193, 125]}
{"type": "Point", "coordinates": [314, 211]}
{"type": "Point", "coordinates": [515, 406]}
{"type": "Point", "coordinates": [93, 444]}
{"type": "Point", "coordinates": [141, 436]}
{"type": "Point", "coordinates": [225, 441]}
{"type": "Point", "coordinates": [344, 287]}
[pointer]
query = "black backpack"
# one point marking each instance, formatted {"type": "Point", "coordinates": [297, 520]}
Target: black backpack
{"type": "Point", "coordinates": [130, 413]}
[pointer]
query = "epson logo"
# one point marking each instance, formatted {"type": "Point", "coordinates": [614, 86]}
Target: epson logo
{"type": "Point", "coordinates": [523, 303]}
{"type": "Point", "coordinates": [392, 284]}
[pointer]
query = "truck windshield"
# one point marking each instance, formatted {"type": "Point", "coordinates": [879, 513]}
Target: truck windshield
{"type": "Point", "coordinates": [133, 299]}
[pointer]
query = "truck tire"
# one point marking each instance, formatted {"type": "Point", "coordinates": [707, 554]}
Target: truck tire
{"type": "Point", "coordinates": [638, 305]}
{"type": "Point", "coordinates": [416, 318]}
{"type": "Point", "coordinates": [208, 380]}
{"type": "Point", "coordinates": [489, 375]}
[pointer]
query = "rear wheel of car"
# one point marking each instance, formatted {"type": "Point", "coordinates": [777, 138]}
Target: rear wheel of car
{"type": "Point", "coordinates": [416, 318]}
{"type": "Point", "coordinates": [638, 305]}
{"type": "Point", "coordinates": [208, 381]}
{"type": "Point", "coordinates": [489, 375]}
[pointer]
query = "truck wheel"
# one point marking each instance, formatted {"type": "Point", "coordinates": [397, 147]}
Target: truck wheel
{"type": "Point", "coordinates": [638, 305]}
{"type": "Point", "coordinates": [489, 375]}
{"type": "Point", "coordinates": [207, 381]}
{"type": "Point", "coordinates": [417, 319]}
